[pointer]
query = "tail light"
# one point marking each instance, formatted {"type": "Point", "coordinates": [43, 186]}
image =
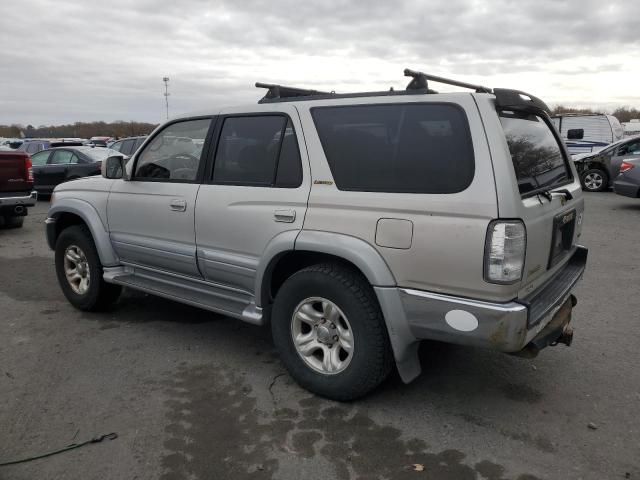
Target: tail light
{"type": "Point", "coordinates": [626, 166]}
{"type": "Point", "coordinates": [28, 168]}
{"type": "Point", "coordinates": [504, 251]}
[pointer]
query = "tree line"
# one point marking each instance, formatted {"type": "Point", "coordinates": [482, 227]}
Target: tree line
{"type": "Point", "coordinates": [121, 128]}
{"type": "Point", "coordinates": [117, 129]}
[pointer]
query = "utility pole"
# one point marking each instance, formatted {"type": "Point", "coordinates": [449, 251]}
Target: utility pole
{"type": "Point", "coordinates": [166, 93]}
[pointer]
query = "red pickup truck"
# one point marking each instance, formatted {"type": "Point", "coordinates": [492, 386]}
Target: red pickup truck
{"type": "Point", "coordinates": [16, 188]}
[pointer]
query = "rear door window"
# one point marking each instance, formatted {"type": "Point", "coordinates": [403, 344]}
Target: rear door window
{"type": "Point", "coordinates": [407, 148]}
{"type": "Point", "coordinates": [61, 157]}
{"type": "Point", "coordinates": [537, 157]}
{"type": "Point", "coordinates": [260, 151]}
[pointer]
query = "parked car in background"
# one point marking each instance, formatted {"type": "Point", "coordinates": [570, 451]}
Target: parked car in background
{"type": "Point", "coordinates": [128, 146]}
{"type": "Point", "coordinates": [598, 171]}
{"type": "Point", "coordinates": [588, 133]}
{"type": "Point", "coordinates": [628, 182]}
{"type": "Point", "coordinates": [57, 165]}
{"type": "Point", "coordinates": [100, 141]}
{"type": "Point", "coordinates": [32, 146]}
{"type": "Point", "coordinates": [11, 143]}
{"type": "Point", "coordinates": [16, 188]}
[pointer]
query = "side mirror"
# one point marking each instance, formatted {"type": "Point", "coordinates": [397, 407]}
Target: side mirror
{"type": "Point", "coordinates": [113, 167]}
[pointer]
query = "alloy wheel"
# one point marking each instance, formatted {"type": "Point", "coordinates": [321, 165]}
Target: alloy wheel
{"type": "Point", "coordinates": [322, 335]}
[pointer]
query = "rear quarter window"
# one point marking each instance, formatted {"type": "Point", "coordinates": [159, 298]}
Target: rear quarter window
{"type": "Point", "coordinates": [406, 148]}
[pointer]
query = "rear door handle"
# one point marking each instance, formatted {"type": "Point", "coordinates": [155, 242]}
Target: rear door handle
{"type": "Point", "coordinates": [286, 216]}
{"type": "Point", "coordinates": [178, 205]}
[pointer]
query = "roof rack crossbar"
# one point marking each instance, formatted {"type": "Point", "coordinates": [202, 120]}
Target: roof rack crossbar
{"type": "Point", "coordinates": [281, 91]}
{"type": "Point", "coordinates": [420, 81]}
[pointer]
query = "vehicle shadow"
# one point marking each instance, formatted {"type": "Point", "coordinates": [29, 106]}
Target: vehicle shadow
{"type": "Point", "coordinates": [248, 393]}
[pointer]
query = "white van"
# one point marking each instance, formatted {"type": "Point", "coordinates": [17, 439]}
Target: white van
{"type": "Point", "coordinates": [588, 133]}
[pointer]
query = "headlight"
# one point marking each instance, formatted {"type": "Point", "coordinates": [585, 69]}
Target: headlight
{"type": "Point", "coordinates": [505, 251]}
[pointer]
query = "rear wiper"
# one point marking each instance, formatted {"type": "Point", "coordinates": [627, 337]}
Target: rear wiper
{"type": "Point", "coordinates": [548, 194]}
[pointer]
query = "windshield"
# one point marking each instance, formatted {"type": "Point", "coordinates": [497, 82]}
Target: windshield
{"type": "Point", "coordinates": [537, 157]}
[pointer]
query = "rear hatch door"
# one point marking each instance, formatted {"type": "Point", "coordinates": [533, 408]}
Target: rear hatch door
{"type": "Point", "coordinates": [535, 182]}
{"type": "Point", "coordinates": [549, 198]}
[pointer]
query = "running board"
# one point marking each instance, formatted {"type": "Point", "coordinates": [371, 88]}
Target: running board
{"type": "Point", "coordinates": [209, 296]}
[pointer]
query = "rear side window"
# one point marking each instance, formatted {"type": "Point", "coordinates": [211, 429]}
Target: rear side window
{"type": "Point", "coordinates": [40, 158]}
{"type": "Point", "coordinates": [537, 157]}
{"type": "Point", "coordinates": [127, 146]}
{"type": "Point", "coordinates": [408, 148]}
{"type": "Point", "coordinates": [258, 151]}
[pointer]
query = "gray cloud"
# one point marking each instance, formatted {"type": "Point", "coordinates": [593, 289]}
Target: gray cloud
{"type": "Point", "coordinates": [79, 60]}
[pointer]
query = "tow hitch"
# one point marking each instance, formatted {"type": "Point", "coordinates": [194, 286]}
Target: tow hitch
{"type": "Point", "coordinates": [557, 331]}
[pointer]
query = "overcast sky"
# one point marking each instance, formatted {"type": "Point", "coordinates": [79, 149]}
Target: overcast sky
{"type": "Point", "coordinates": [79, 60]}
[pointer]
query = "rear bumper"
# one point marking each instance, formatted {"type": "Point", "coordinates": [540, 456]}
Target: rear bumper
{"type": "Point", "coordinates": [628, 189]}
{"type": "Point", "coordinates": [16, 205]}
{"type": "Point", "coordinates": [24, 199]}
{"type": "Point", "coordinates": [508, 327]}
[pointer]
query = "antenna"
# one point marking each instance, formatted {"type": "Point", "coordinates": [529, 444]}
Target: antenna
{"type": "Point", "coordinates": [166, 93]}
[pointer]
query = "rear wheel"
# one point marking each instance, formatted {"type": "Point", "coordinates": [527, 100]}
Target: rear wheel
{"type": "Point", "coordinates": [11, 222]}
{"type": "Point", "coordinates": [330, 333]}
{"type": "Point", "coordinates": [595, 180]}
{"type": "Point", "coordinates": [80, 272]}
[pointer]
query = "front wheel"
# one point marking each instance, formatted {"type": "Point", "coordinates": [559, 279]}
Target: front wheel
{"type": "Point", "coordinates": [80, 272]}
{"type": "Point", "coordinates": [595, 180]}
{"type": "Point", "coordinates": [330, 332]}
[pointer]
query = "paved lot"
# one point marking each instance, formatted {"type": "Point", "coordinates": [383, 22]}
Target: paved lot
{"type": "Point", "coordinates": [193, 395]}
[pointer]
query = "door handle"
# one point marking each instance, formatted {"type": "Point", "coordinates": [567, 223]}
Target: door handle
{"type": "Point", "coordinates": [286, 216]}
{"type": "Point", "coordinates": [178, 205]}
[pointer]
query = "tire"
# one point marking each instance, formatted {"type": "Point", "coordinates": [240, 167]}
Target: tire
{"type": "Point", "coordinates": [12, 222]}
{"type": "Point", "coordinates": [95, 294]}
{"type": "Point", "coordinates": [594, 180]}
{"type": "Point", "coordinates": [351, 303]}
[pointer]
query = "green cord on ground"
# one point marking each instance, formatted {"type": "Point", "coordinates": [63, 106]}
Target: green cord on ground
{"type": "Point", "coordinates": [108, 436]}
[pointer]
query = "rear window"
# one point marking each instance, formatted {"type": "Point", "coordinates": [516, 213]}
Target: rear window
{"type": "Point", "coordinates": [408, 148]}
{"type": "Point", "coordinates": [537, 158]}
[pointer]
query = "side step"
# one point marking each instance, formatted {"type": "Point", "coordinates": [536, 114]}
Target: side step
{"type": "Point", "coordinates": [209, 296]}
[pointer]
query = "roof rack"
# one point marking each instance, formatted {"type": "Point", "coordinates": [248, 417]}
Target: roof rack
{"type": "Point", "coordinates": [281, 91]}
{"type": "Point", "coordinates": [506, 99]}
{"type": "Point", "coordinates": [419, 82]}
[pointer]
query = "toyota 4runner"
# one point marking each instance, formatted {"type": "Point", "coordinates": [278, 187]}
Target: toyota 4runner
{"type": "Point", "coordinates": [356, 225]}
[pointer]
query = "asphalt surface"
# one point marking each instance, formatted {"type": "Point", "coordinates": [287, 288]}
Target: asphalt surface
{"type": "Point", "coordinates": [193, 395]}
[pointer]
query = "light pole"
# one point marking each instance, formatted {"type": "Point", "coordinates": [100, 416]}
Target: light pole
{"type": "Point", "coordinates": [166, 94]}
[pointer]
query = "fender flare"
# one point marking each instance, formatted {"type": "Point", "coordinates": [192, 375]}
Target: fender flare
{"type": "Point", "coordinates": [92, 219]}
{"type": "Point", "coordinates": [353, 249]}
{"type": "Point", "coordinates": [367, 259]}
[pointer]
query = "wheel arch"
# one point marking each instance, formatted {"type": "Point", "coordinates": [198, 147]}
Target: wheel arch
{"type": "Point", "coordinates": [312, 247]}
{"type": "Point", "coordinates": [67, 212]}
{"type": "Point", "coordinates": [291, 251]}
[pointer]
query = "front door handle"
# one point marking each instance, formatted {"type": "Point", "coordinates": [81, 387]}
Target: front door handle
{"type": "Point", "coordinates": [178, 205]}
{"type": "Point", "coordinates": [286, 216]}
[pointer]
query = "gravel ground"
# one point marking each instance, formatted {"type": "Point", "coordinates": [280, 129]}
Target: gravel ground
{"type": "Point", "coordinates": [194, 395]}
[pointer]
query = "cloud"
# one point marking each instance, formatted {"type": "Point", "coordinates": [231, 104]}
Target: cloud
{"type": "Point", "coordinates": [85, 60]}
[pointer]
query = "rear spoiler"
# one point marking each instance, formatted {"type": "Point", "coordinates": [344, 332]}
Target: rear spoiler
{"type": "Point", "coordinates": [507, 99]}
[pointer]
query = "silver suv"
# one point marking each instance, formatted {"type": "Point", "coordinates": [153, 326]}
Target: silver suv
{"type": "Point", "coordinates": [356, 225]}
